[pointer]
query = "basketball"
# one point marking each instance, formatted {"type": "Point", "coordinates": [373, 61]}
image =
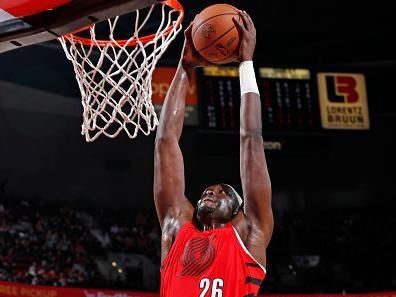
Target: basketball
{"type": "Point", "coordinates": [214, 34]}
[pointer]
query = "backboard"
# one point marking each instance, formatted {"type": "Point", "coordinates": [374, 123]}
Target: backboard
{"type": "Point", "coordinates": [27, 22]}
{"type": "Point", "coordinates": [113, 63]}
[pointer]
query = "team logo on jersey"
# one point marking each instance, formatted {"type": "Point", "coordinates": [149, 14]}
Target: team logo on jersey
{"type": "Point", "coordinates": [198, 255]}
{"type": "Point", "coordinates": [343, 101]}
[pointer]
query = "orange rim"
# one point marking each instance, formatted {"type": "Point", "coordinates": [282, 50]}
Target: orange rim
{"type": "Point", "coordinates": [122, 42]}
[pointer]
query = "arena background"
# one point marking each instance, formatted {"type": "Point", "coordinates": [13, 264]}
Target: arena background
{"type": "Point", "coordinates": [333, 190]}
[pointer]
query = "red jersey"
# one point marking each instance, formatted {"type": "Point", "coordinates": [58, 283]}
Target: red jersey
{"type": "Point", "coordinates": [213, 263]}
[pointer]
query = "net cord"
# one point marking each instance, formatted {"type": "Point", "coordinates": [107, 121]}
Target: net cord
{"type": "Point", "coordinates": [120, 96]}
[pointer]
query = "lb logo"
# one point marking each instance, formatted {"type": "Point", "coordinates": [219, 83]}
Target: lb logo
{"type": "Point", "coordinates": [343, 101]}
{"type": "Point", "coordinates": [341, 88]}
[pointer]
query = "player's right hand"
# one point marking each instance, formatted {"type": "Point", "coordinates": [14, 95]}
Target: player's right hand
{"type": "Point", "coordinates": [191, 59]}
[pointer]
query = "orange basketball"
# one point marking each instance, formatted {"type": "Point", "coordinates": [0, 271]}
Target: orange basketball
{"type": "Point", "coordinates": [214, 33]}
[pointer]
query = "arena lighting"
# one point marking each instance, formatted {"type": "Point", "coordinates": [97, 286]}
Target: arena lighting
{"type": "Point", "coordinates": [114, 264]}
{"type": "Point", "coordinates": [120, 271]}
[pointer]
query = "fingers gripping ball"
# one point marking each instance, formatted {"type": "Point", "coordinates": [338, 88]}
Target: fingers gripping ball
{"type": "Point", "coordinates": [214, 34]}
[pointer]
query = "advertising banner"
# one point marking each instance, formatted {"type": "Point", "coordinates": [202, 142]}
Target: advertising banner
{"type": "Point", "coordinates": [8, 289]}
{"type": "Point", "coordinates": [343, 101]}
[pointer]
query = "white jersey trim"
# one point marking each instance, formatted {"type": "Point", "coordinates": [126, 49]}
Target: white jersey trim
{"type": "Point", "coordinates": [246, 250]}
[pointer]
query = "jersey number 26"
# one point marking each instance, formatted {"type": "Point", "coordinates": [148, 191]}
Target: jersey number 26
{"type": "Point", "coordinates": [216, 285]}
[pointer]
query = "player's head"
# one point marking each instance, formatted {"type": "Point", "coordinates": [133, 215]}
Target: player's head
{"type": "Point", "coordinates": [218, 204]}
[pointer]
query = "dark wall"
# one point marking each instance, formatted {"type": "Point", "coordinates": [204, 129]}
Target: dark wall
{"type": "Point", "coordinates": [42, 153]}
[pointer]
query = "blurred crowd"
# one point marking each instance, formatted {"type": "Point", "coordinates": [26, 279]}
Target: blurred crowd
{"type": "Point", "coordinates": [326, 251]}
{"type": "Point", "coordinates": [133, 233]}
{"type": "Point", "coordinates": [332, 251]}
{"type": "Point", "coordinates": [48, 245]}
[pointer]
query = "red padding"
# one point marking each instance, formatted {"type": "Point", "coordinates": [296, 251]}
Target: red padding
{"type": "Point", "coordinates": [21, 8]}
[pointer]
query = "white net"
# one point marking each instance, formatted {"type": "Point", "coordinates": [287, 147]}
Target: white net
{"type": "Point", "coordinates": [114, 76]}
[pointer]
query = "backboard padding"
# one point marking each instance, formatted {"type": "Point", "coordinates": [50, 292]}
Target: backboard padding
{"type": "Point", "coordinates": [51, 24]}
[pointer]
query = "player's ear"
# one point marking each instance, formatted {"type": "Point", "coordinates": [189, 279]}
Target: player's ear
{"type": "Point", "coordinates": [236, 210]}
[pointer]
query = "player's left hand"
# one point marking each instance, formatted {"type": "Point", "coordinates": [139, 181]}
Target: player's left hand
{"type": "Point", "coordinates": [247, 34]}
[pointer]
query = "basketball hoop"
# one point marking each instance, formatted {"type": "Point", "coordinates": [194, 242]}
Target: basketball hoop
{"type": "Point", "coordinates": [114, 75]}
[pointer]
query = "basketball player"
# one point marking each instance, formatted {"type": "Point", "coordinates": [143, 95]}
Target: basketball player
{"type": "Point", "coordinates": [218, 248]}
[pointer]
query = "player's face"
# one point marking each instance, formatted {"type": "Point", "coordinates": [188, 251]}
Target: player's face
{"type": "Point", "coordinates": [215, 204]}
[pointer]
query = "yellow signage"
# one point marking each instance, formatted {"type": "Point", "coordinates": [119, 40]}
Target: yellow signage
{"type": "Point", "coordinates": [226, 71]}
{"type": "Point", "coordinates": [343, 101]}
{"type": "Point", "coordinates": [285, 73]}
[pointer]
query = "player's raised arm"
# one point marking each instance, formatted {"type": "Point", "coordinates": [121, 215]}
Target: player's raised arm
{"type": "Point", "coordinates": [169, 184]}
{"type": "Point", "coordinates": [255, 178]}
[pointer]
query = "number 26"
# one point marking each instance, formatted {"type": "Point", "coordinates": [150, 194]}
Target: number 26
{"type": "Point", "coordinates": [217, 286]}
